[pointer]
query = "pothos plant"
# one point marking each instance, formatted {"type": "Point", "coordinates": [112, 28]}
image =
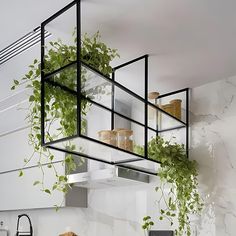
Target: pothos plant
{"type": "Point", "coordinates": [60, 105]}
{"type": "Point", "coordinates": [178, 190]}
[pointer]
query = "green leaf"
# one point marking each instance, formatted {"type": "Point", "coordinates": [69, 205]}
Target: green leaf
{"type": "Point", "coordinates": [54, 187]}
{"type": "Point", "coordinates": [47, 191]}
{"type": "Point", "coordinates": [36, 183]}
{"type": "Point", "coordinates": [16, 82]}
{"type": "Point", "coordinates": [61, 178]}
{"type": "Point", "coordinates": [31, 98]}
{"type": "Point", "coordinates": [21, 173]}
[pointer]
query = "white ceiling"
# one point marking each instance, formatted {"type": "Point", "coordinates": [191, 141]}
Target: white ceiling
{"type": "Point", "coordinates": [191, 42]}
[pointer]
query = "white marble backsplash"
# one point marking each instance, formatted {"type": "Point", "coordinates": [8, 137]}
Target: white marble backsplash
{"type": "Point", "coordinates": [213, 142]}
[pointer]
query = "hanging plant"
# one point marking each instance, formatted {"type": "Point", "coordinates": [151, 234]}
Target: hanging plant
{"type": "Point", "coordinates": [178, 190]}
{"type": "Point", "coordinates": [61, 106]}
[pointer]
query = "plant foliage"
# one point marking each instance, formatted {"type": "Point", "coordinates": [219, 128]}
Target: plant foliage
{"type": "Point", "coordinates": [178, 175]}
{"type": "Point", "coordinates": [60, 105]}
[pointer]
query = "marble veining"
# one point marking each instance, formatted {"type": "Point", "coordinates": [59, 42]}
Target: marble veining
{"type": "Point", "coordinates": [213, 117]}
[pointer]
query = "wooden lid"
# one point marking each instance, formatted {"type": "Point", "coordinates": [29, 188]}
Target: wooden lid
{"type": "Point", "coordinates": [153, 95]}
{"type": "Point", "coordinates": [68, 234]}
{"type": "Point", "coordinates": [107, 132]}
{"type": "Point", "coordinates": [118, 129]}
{"type": "Point", "coordinates": [175, 100]}
{"type": "Point", "coordinates": [126, 132]}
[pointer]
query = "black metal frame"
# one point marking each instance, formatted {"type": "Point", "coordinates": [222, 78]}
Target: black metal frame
{"type": "Point", "coordinates": [45, 78]}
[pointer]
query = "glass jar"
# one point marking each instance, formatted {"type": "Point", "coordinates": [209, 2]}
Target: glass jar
{"type": "Point", "coordinates": [108, 136]}
{"type": "Point", "coordinates": [176, 108]}
{"type": "Point", "coordinates": [169, 108]}
{"type": "Point", "coordinates": [125, 139]}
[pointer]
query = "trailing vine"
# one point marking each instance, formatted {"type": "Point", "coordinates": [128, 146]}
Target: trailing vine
{"type": "Point", "coordinates": [60, 105]}
{"type": "Point", "coordinates": [178, 175]}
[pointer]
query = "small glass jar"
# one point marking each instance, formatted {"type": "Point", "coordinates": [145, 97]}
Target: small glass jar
{"type": "Point", "coordinates": [169, 108]}
{"type": "Point", "coordinates": [176, 108]}
{"type": "Point", "coordinates": [125, 139]}
{"type": "Point", "coordinates": [108, 136]}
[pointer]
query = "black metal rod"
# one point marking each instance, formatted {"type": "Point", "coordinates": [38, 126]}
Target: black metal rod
{"type": "Point", "coordinates": [128, 161]}
{"type": "Point", "coordinates": [187, 122]}
{"type": "Point", "coordinates": [146, 107]}
{"type": "Point", "coordinates": [79, 154]}
{"type": "Point", "coordinates": [130, 62]}
{"type": "Point", "coordinates": [170, 129]}
{"type": "Point", "coordinates": [60, 140]}
{"type": "Point", "coordinates": [172, 93]}
{"type": "Point", "coordinates": [137, 169]}
{"type": "Point", "coordinates": [109, 145]}
{"type": "Point", "coordinates": [79, 93]}
{"type": "Point", "coordinates": [51, 74]}
{"type": "Point", "coordinates": [113, 102]}
{"type": "Point", "coordinates": [59, 13]}
{"type": "Point", "coordinates": [42, 87]}
{"type": "Point", "coordinates": [63, 87]}
{"type": "Point", "coordinates": [157, 125]}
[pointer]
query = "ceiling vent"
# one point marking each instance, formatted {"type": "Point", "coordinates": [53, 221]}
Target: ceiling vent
{"type": "Point", "coordinates": [22, 44]}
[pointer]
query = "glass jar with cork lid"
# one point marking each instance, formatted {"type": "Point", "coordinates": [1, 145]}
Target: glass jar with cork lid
{"type": "Point", "coordinates": [176, 103]}
{"type": "Point", "coordinates": [108, 136]}
{"type": "Point", "coordinates": [125, 139]}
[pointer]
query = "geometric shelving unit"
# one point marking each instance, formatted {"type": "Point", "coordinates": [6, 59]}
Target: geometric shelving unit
{"type": "Point", "coordinates": [96, 102]}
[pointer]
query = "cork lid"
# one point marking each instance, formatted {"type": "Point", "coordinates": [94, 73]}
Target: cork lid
{"type": "Point", "coordinates": [153, 95]}
{"type": "Point", "coordinates": [176, 100]}
{"type": "Point", "coordinates": [107, 132]}
{"type": "Point", "coordinates": [126, 132]}
{"type": "Point", "coordinates": [68, 234]}
{"type": "Point", "coordinates": [118, 129]}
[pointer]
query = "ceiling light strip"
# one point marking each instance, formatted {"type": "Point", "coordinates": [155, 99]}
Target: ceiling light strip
{"type": "Point", "coordinates": [21, 45]}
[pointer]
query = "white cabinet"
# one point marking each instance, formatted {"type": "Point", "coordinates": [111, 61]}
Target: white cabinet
{"type": "Point", "coordinates": [14, 148]}
{"type": "Point", "coordinates": [19, 193]}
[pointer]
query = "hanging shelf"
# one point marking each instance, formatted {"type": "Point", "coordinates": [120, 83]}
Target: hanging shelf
{"type": "Point", "coordinates": [108, 108]}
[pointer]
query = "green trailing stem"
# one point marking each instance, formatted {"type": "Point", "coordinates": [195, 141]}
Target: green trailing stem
{"type": "Point", "coordinates": [178, 176]}
{"type": "Point", "coordinates": [60, 105]}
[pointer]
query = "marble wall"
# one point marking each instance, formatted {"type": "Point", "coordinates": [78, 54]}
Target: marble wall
{"type": "Point", "coordinates": [213, 135]}
{"type": "Point", "coordinates": [119, 211]}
